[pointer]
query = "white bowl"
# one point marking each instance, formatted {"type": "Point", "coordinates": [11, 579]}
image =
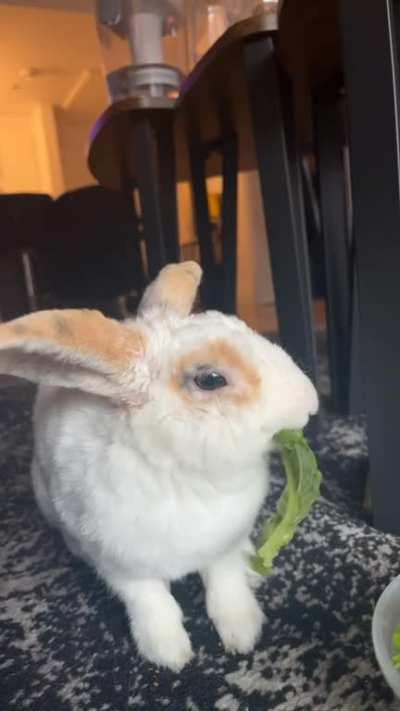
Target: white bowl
{"type": "Point", "coordinates": [385, 618]}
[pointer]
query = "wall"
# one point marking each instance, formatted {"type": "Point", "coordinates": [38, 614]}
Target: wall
{"type": "Point", "coordinates": [43, 151]}
{"type": "Point", "coordinates": [19, 166]}
{"type": "Point", "coordinates": [44, 123]}
{"type": "Point", "coordinates": [73, 141]}
{"type": "Point", "coordinates": [254, 274]}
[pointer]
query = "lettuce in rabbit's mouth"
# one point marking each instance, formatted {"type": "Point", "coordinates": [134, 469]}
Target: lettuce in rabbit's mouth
{"type": "Point", "coordinates": [303, 480]}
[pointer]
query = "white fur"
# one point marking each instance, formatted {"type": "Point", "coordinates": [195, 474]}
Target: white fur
{"type": "Point", "coordinates": [149, 494]}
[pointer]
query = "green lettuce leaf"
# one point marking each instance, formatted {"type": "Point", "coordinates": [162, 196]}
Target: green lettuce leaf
{"type": "Point", "coordinates": [303, 480]}
{"type": "Point", "coordinates": [396, 647]}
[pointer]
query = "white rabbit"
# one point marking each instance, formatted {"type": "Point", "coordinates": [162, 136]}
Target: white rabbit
{"type": "Point", "coordinates": [151, 444]}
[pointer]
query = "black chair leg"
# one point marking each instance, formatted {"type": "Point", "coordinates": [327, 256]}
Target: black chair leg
{"type": "Point", "coordinates": [356, 392]}
{"type": "Point", "coordinates": [281, 191]}
{"type": "Point", "coordinates": [220, 279]}
{"type": "Point", "coordinates": [371, 70]}
{"type": "Point", "coordinates": [14, 300]}
{"type": "Point", "coordinates": [208, 289]}
{"type": "Point", "coordinates": [146, 155]}
{"type": "Point", "coordinates": [229, 223]}
{"type": "Point", "coordinates": [334, 222]}
{"type": "Point", "coordinates": [168, 195]}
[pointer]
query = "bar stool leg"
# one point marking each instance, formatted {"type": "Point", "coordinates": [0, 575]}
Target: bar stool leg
{"type": "Point", "coordinates": [146, 155]}
{"type": "Point", "coordinates": [229, 222]}
{"type": "Point", "coordinates": [372, 76]}
{"type": "Point", "coordinates": [14, 301]}
{"type": "Point", "coordinates": [168, 192]}
{"type": "Point", "coordinates": [329, 143]}
{"type": "Point", "coordinates": [208, 289]}
{"type": "Point", "coordinates": [357, 386]}
{"type": "Point", "coordinates": [282, 197]}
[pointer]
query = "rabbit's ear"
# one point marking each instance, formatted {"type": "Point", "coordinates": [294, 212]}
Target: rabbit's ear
{"type": "Point", "coordinates": [174, 289]}
{"type": "Point", "coordinates": [75, 349]}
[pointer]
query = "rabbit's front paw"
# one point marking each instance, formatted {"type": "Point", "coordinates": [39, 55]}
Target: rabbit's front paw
{"type": "Point", "coordinates": [156, 622]}
{"type": "Point", "coordinates": [238, 621]}
{"type": "Point", "coordinates": [165, 643]}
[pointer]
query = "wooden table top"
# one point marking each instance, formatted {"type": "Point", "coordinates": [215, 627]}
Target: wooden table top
{"type": "Point", "coordinates": [309, 38]}
{"type": "Point", "coordinates": [309, 46]}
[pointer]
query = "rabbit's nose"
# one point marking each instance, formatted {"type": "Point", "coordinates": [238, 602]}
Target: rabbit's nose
{"type": "Point", "coordinates": [314, 407]}
{"type": "Point", "coordinates": [311, 398]}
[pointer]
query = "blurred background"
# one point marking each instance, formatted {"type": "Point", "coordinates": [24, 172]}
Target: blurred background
{"type": "Point", "coordinates": [52, 90]}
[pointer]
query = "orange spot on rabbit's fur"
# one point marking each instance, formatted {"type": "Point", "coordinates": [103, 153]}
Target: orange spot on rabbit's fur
{"type": "Point", "coordinates": [75, 349]}
{"type": "Point", "coordinates": [220, 354]}
{"type": "Point", "coordinates": [19, 330]}
{"type": "Point", "coordinates": [82, 331]}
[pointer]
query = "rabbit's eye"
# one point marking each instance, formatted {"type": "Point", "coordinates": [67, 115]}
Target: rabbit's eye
{"type": "Point", "coordinates": [210, 380]}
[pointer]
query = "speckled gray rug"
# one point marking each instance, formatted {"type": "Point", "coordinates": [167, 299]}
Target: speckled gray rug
{"type": "Point", "coordinates": [64, 642]}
